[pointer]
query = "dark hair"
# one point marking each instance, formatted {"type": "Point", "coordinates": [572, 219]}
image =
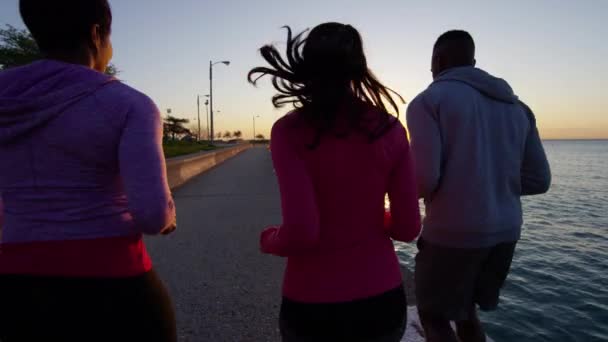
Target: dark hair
{"type": "Point", "coordinates": [322, 73]}
{"type": "Point", "coordinates": [65, 25]}
{"type": "Point", "coordinates": [460, 46]}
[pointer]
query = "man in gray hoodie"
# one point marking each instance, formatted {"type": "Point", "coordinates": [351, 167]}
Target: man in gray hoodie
{"type": "Point", "coordinates": [477, 150]}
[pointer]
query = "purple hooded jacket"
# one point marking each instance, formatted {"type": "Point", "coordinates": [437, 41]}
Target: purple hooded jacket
{"type": "Point", "coordinates": [80, 157]}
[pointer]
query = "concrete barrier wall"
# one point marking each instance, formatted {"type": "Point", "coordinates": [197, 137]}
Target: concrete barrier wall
{"type": "Point", "coordinates": [182, 169]}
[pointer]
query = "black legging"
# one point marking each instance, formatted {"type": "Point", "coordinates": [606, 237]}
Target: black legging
{"type": "Point", "coordinates": [379, 319]}
{"type": "Point", "coordinates": [79, 309]}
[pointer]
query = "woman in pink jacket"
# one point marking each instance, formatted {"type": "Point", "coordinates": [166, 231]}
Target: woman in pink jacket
{"type": "Point", "coordinates": [336, 156]}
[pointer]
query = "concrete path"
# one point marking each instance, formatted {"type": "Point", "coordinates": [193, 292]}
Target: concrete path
{"type": "Point", "coordinates": [224, 289]}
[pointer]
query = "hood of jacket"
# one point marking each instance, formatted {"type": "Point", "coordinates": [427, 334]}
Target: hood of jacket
{"type": "Point", "coordinates": [490, 86]}
{"type": "Point", "coordinates": [33, 95]}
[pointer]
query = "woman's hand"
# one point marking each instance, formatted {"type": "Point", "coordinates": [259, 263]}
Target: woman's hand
{"type": "Point", "coordinates": [265, 236]}
{"type": "Point", "coordinates": [388, 220]}
{"type": "Point", "coordinates": [170, 229]}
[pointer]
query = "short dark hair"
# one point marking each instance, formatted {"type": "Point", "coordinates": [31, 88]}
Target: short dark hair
{"type": "Point", "coordinates": [461, 45]}
{"type": "Point", "coordinates": [65, 25]}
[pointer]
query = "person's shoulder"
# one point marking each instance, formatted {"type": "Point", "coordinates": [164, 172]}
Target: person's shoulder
{"type": "Point", "coordinates": [127, 94]}
{"type": "Point", "coordinates": [398, 130]}
{"type": "Point", "coordinates": [10, 74]}
{"type": "Point", "coordinates": [419, 99]}
{"type": "Point", "coordinates": [379, 119]}
{"type": "Point", "coordinates": [123, 95]}
{"type": "Point", "coordinates": [394, 142]}
{"type": "Point", "coordinates": [395, 133]}
{"type": "Point", "coordinates": [287, 123]}
{"type": "Point", "coordinates": [423, 103]}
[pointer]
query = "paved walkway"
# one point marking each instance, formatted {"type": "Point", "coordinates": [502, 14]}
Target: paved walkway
{"type": "Point", "coordinates": [224, 289]}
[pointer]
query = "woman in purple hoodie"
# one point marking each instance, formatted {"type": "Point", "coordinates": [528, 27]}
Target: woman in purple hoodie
{"type": "Point", "coordinates": [82, 178]}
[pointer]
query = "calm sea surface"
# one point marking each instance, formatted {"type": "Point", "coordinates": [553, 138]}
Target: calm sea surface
{"type": "Point", "coordinates": [558, 287]}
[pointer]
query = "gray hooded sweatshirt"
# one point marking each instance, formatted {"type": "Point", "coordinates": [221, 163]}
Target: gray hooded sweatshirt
{"type": "Point", "coordinates": [477, 150]}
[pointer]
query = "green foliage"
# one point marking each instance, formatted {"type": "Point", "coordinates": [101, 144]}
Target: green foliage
{"type": "Point", "coordinates": [180, 148]}
{"type": "Point", "coordinates": [260, 139]}
{"type": "Point", "coordinates": [237, 134]}
{"type": "Point", "coordinates": [112, 70]}
{"type": "Point", "coordinates": [174, 127]}
{"type": "Point", "coordinates": [17, 47]}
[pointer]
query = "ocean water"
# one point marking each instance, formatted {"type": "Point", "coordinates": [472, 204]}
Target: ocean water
{"type": "Point", "coordinates": [558, 286]}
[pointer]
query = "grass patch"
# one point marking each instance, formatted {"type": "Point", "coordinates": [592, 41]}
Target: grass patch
{"type": "Point", "coordinates": [181, 148]}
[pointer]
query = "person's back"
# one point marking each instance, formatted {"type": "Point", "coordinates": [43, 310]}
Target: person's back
{"type": "Point", "coordinates": [82, 178]}
{"type": "Point", "coordinates": [473, 195]}
{"type": "Point", "coordinates": [477, 151]}
{"type": "Point", "coordinates": [336, 157]}
{"type": "Point", "coordinates": [349, 177]}
{"type": "Point", "coordinates": [65, 180]}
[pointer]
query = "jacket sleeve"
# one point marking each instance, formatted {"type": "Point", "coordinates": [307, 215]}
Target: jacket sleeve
{"type": "Point", "coordinates": [143, 169]}
{"type": "Point", "coordinates": [300, 230]}
{"type": "Point", "coordinates": [535, 169]}
{"type": "Point", "coordinates": [425, 140]}
{"type": "Point", "coordinates": [405, 212]}
{"type": "Point", "coordinates": [1, 216]}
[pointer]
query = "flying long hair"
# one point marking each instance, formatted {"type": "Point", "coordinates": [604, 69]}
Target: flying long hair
{"type": "Point", "coordinates": [324, 72]}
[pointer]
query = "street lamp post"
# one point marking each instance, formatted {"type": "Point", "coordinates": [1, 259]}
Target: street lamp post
{"type": "Point", "coordinates": [211, 64]}
{"type": "Point", "coordinates": [207, 111]}
{"type": "Point", "coordinates": [198, 108]}
{"type": "Point", "coordinates": [254, 117]}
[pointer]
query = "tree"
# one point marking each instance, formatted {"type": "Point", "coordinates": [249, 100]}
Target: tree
{"type": "Point", "coordinates": [18, 47]}
{"type": "Point", "coordinates": [112, 70]}
{"type": "Point", "coordinates": [260, 137]}
{"type": "Point", "coordinates": [227, 135]}
{"type": "Point", "coordinates": [193, 127]}
{"type": "Point", "coordinates": [219, 135]}
{"type": "Point", "coordinates": [175, 127]}
{"type": "Point", "coordinates": [237, 134]}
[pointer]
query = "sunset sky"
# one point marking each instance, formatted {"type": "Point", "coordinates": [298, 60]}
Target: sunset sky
{"type": "Point", "coordinates": [554, 53]}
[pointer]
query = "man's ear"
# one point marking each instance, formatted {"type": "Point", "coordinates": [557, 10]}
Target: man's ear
{"type": "Point", "coordinates": [96, 37]}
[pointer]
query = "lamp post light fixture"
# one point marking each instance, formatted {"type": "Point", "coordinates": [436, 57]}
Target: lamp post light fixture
{"type": "Point", "coordinates": [207, 112]}
{"type": "Point", "coordinates": [198, 109]}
